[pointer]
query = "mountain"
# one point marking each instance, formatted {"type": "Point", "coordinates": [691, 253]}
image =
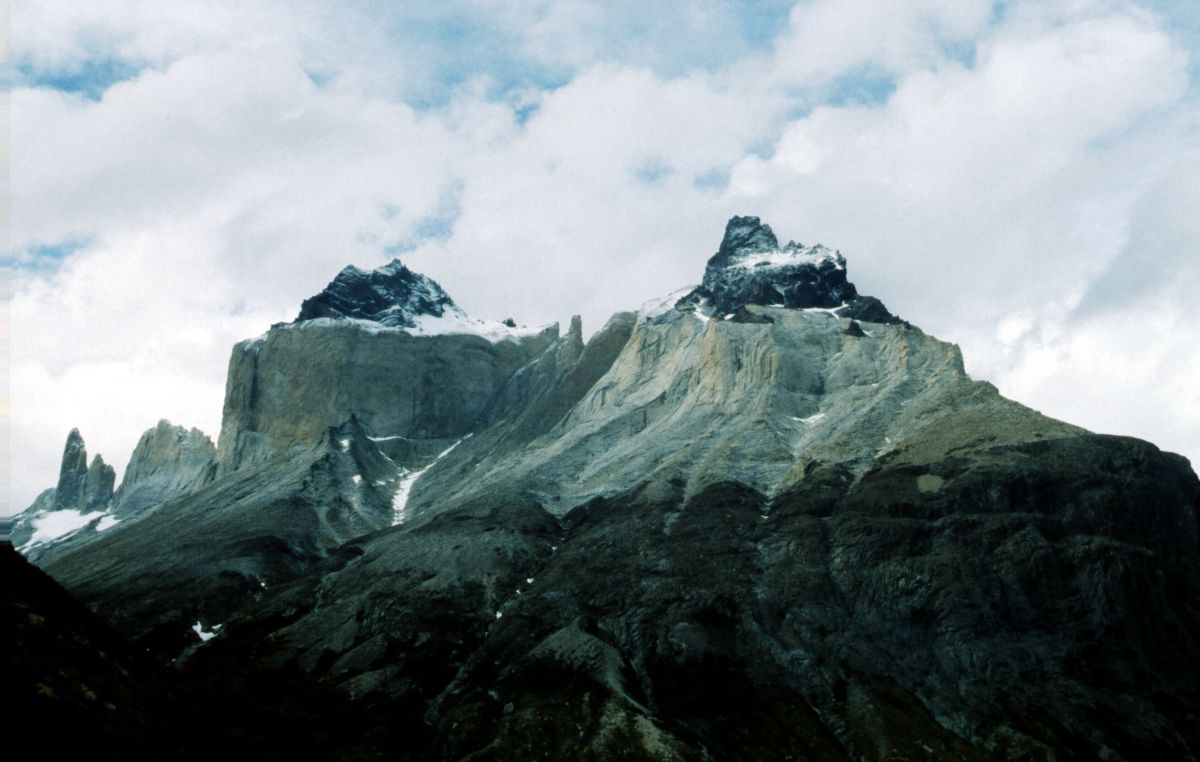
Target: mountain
{"type": "Point", "coordinates": [169, 461]}
{"type": "Point", "coordinates": [393, 296]}
{"type": "Point", "coordinates": [761, 518]}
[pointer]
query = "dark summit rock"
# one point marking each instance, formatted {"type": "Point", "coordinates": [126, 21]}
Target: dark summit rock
{"type": "Point", "coordinates": [868, 309]}
{"type": "Point", "coordinates": [82, 487]}
{"type": "Point", "coordinates": [751, 268]}
{"type": "Point", "coordinates": [392, 295]}
{"type": "Point", "coordinates": [743, 235]}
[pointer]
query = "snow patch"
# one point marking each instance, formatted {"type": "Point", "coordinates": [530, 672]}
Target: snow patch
{"type": "Point", "coordinates": [357, 478]}
{"type": "Point", "coordinates": [810, 419]}
{"type": "Point", "coordinates": [56, 525]}
{"type": "Point", "coordinates": [345, 444]}
{"type": "Point", "coordinates": [831, 311]}
{"type": "Point", "coordinates": [107, 522]}
{"type": "Point", "coordinates": [452, 322]}
{"type": "Point", "coordinates": [204, 635]}
{"type": "Point", "coordinates": [789, 257]}
{"type": "Point", "coordinates": [663, 304]}
{"type": "Point", "coordinates": [408, 479]}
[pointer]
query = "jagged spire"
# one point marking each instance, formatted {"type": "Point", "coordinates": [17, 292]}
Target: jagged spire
{"type": "Point", "coordinates": [72, 474]}
{"type": "Point", "coordinates": [751, 268]}
{"type": "Point", "coordinates": [743, 235]}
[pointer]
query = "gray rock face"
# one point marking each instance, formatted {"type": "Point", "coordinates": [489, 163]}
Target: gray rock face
{"type": "Point", "coordinates": [287, 388]}
{"type": "Point", "coordinates": [228, 546]}
{"type": "Point", "coordinates": [693, 400]}
{"type": "Point", "coordinates": [81, 487]}
{"type": "Point", "coordinates": [167, 462]}
{"type": "Point", "coordinates": [72, 475]}
{"type": "Point", "coordinates": [98, 485]}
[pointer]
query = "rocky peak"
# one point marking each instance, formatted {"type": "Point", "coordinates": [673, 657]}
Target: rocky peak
{"type": "Point", "coordinates": [81, 487]}
{"type": "Point", "coordinates": [168, 461]}
{"type": "Point", "coordinates": [391, 295]}
{"type": "Point", "coordinates": [98, 485]}
{"type": "Point", "coordinates": [72, 474]}
{"type": "Point", "coordinates": [743, 236]}
{"type": "Point", "coordinates": [751, 268]}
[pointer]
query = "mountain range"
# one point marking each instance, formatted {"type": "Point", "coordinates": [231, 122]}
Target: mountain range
{"type": "Point", "coordinates": [760, 518]}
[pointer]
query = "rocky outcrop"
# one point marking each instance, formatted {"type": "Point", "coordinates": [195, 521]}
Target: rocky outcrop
{"type": "Point", "coordinates": [70, 510]}
{"type": "Point", "coordinates": [388, 348]}
{"type": "Point", "coordinates": [72, 475]}
{"type": "Point", "coordinates": [694, 400]}
{"type": "Point", "coordinates": [167, 462]}
{"type": "Point", "coordinates": [750, 267]}
{"type": "Point", "coordinates": [287, 388]}
{"type": "Point", "coordinates": [81, 487]}
{"type": "Point", "coordinates": [98, 485]}
{"type": "Point", "coordinates": [211, 553]}
{"type": "Point", "coordinates": [392, 296]}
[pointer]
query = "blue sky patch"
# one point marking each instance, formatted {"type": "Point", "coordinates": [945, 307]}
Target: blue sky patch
{"type": "Point", "coordinates": [651, 171]}
{"type": "Point", "coordinates": [438, 226]}
{"type": "Point", "coordinates": [861, 87]}
{"type": "Point", "coordinates": [90, 80]}
{"type": "Point", "coordinates": [715, 180]}
{"type": "Point", "coordinates": [44, 258]}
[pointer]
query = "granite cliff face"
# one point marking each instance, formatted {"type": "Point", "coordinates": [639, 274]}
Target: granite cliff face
{"type": "Point", "coordinates": [388, 348]}
{"type": "Point", "coordinates": [766, 520]}
{"type": "Point", "coordinates": [168, 461]}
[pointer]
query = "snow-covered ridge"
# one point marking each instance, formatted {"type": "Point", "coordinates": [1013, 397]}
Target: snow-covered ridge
{"type": "Point", "coordinates": [663, 304]}
{"type": "Point", "coordinates": [451, 323]}
{"type": "Point", "coordinates": [792, 255]}
{"type": "Point", "coordinates": [393, 298]}
{"type": "Point", "coordinates": [56, 525]}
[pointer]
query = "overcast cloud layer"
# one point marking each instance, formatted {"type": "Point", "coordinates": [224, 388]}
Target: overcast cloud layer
{"type": "Point", "coordinates": [1022, 178]}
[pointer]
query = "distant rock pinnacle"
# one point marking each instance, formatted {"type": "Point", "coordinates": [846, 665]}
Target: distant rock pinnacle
{"type": "Point", "coordinates": [81, 487]}
{"type": "Point", "coordinates": [72, 475]}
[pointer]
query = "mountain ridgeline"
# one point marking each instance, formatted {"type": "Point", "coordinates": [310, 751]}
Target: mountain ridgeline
{"type": "Point", "coordinates": [767, 519]}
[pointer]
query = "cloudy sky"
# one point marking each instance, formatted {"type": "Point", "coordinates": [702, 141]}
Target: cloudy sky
{"type": "Point", "coordinates": [1022, 178]}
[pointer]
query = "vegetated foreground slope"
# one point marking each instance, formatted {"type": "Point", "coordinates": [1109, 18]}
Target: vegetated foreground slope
{"type": "Point", "coordinates": [765, 519]}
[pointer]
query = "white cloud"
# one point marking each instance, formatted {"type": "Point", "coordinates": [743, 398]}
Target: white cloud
{"type": "Point", "coordinates": [827, 39]}
{"type": "Point", "coordinates": [1016, 192]}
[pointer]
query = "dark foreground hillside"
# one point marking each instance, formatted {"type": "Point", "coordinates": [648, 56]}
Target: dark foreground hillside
{"type": "Point", "coordinates": [1042, 604]}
